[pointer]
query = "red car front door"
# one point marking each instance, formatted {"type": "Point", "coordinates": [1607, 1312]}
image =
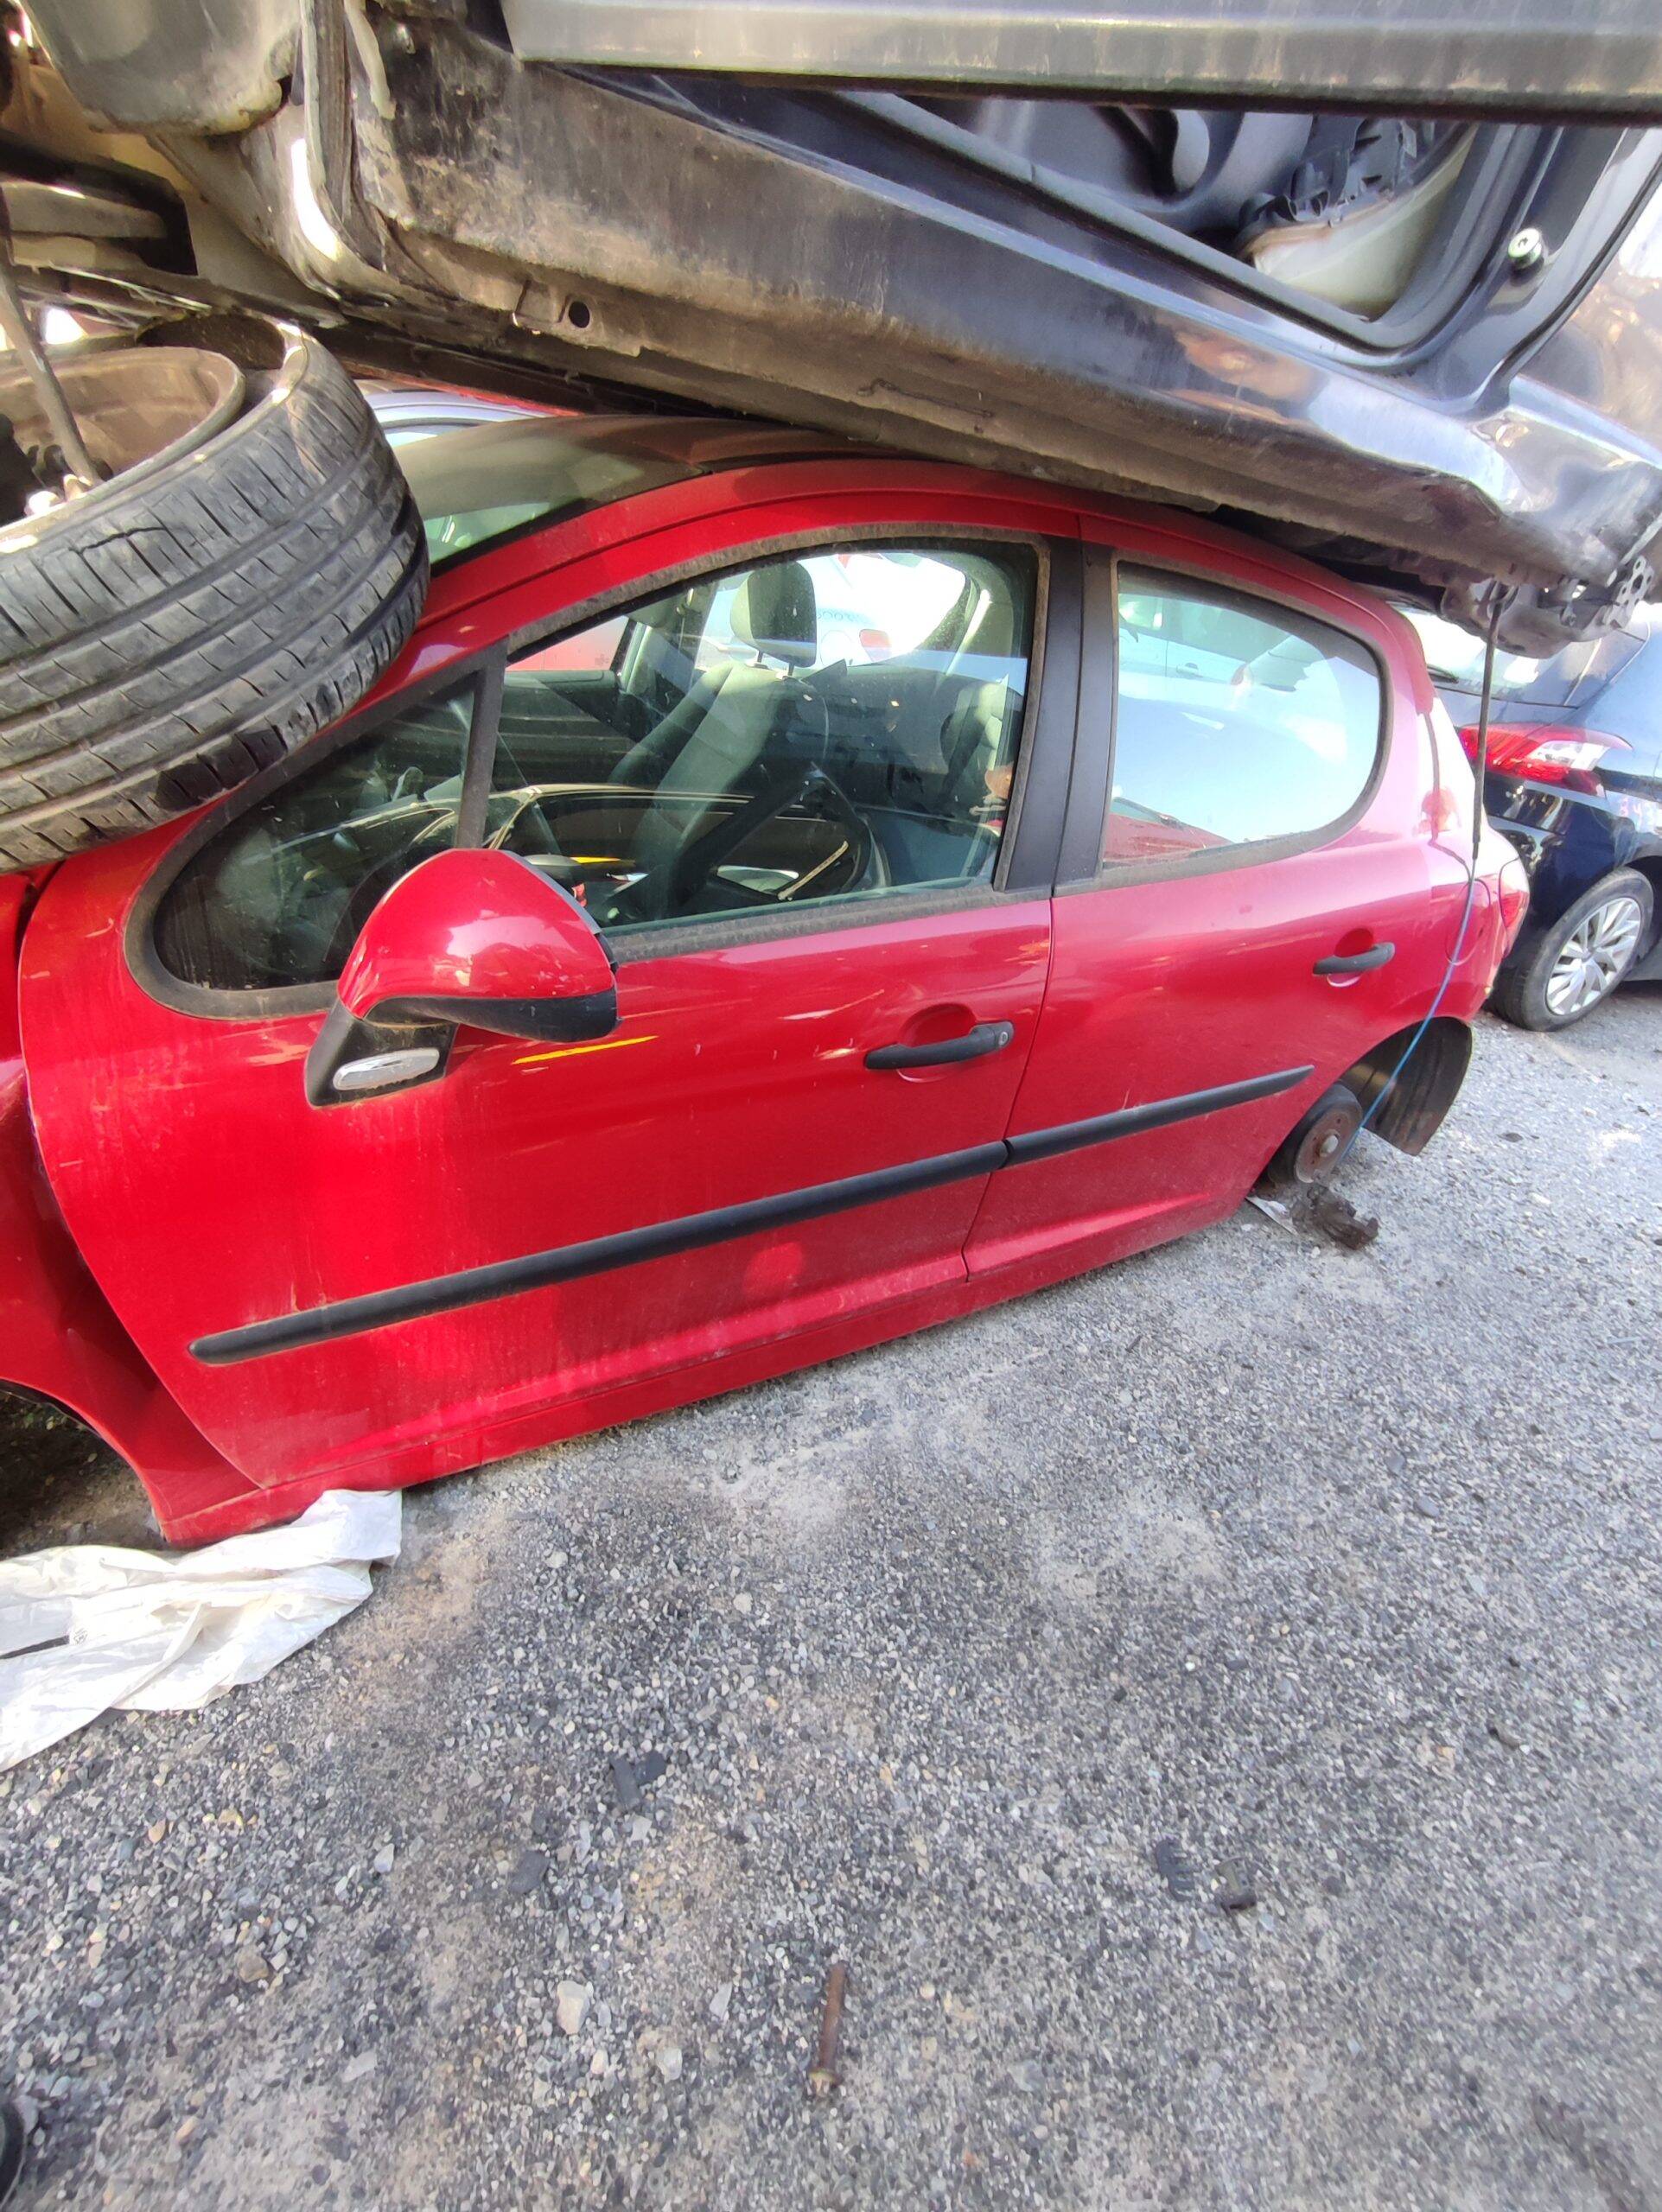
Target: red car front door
{"type": "Point", "coordinates": [1254, 896]}
{"type": "Point", "coordinates": [209, 1198]}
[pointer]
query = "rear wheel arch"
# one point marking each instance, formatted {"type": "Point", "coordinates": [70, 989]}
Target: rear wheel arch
{"type": "Point", "coordinates": [1407, 1110]}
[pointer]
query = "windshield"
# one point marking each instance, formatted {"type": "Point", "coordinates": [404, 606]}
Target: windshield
{"type": "Point", "coordinates": [478, 486]}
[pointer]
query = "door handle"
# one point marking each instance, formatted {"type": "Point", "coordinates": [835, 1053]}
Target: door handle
{"type": "Point", "coordinates": [975, 1045]}
{"type": "Point", "coordinates": [1355, 963]}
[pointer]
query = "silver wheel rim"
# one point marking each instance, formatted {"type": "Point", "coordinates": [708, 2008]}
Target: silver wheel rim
{"type": "Point", "coordinates": [1594, 956]}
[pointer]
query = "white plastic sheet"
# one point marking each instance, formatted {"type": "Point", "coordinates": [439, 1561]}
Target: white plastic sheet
{"type": "Point", "coordinates": [87, 1627]}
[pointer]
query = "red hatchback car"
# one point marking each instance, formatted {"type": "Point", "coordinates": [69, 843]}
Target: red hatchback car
{"type": "Point", "coordinates": [646, 991]}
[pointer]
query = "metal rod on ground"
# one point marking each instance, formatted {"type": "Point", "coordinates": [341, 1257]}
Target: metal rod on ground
{"type": "Point", "coordinates": [20, 336]}
{"type": "Point", "coordinates": [824, 2073]}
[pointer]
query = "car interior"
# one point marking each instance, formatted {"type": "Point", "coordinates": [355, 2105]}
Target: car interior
{"type": "Point", "coordinates": [724, 750]}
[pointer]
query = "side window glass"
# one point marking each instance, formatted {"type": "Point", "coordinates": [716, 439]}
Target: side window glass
{"type": "Point", "coordinates": [1236, 722]}
{"type": "Point", "coordinates": [277, 897]}
{"type": "Point", "coordinates": [820, 726]}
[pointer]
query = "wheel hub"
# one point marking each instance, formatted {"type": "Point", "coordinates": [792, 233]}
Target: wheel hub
{"type": "Point", "coordinates": [1323, 1144]}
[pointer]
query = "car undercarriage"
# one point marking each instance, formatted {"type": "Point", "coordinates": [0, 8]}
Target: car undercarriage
{"type": "Point", "coordinates": [1415, 343]}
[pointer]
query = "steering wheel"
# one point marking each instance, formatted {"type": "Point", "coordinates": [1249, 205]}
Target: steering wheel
{"type": "Point", "coordinates": [526, 815]}
{"type": "Point", "coordinates": [669, 889]}
{"type": "Point", "coordinates": [527, 811]}
{"type": "Point", "coordinates": [366, 893]}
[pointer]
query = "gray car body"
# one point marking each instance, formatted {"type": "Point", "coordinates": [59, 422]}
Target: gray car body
{"type": "Point", "coordinates": [859, 260]}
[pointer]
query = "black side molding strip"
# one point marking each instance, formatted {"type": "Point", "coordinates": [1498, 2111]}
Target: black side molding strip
{"type": "Point", "coordinates": [1132, 1120]}
{"type": "Point", "coordinates": [570, 1262]}
{"type": "Point", "coordinates": [414, 1302]}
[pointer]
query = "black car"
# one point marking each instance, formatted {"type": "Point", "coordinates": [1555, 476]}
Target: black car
{"type": "Point", "coordinates": [1575, 779]}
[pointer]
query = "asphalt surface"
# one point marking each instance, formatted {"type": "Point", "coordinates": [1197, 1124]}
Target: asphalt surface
{"type": "Point", "coordinates": [1007, 1664]}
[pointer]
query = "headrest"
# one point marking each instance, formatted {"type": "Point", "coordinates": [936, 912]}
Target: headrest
{"type": "Point", "coordinates": [980, 706]}
{"type": "Point", "coordinates": [776, 613]}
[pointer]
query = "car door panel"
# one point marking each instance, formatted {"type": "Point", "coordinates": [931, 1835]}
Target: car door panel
{"type": "Point", "coordinates": [1171, 985]}
{"type": "Point", "coordinates": [1173, 991]}
{"type": "Point", "coordinates": [208, 1198]}
{"type": "Point", "coordinates": [253, 1205]}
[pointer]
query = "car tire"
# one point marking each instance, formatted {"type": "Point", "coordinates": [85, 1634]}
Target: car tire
{"type": "Point", "coordinates": [167, 633]}
{"type": "Point", "coordinates": [1600, 938]}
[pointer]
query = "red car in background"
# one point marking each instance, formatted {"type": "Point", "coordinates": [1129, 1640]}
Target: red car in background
{"type": "Point", "coordinates": [597, 1021]}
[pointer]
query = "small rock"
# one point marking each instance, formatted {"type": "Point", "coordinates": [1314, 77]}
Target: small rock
{"type": "Point", "coordinates": [1235, 1892]}
{"type": "Point", "coordinates": [571, 2006]}
{"type": "Point", "coordinates": [155, 1831]}
{"type": "Point", "coordinates": [186, 2129]}
{"type": "Point", "coordinates": [1173, 1868]}
{"type": "Point", "coordinates": [744, 1602]}
{"type": "Point", "coordinates": [356, 2069]}
{"type": "Point", "coordinates": [650, 1768]}
{"type": "Point", "coordinates": [1426, 1508]}
{"type": "Point", "coordinates": [1505, 1736]}
{"type": "Point", "coordinates": [720, 1999]}
{"type": "Point", "coordinates": [382, 1862]}
{"type": "Point", "coordinates": [598, 2065]}
{"type": "Point", "coordinates": [250, 1964]}
{"type": "Point", "coordinates": [527, 1872]}
{"type": "Point", "coordinates": [624, 1782]}
{"type": "Point", "coordinates": [667, 2058]}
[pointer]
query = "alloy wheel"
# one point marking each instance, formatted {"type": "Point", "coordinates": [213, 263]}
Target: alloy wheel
{"type": "Point", "coordinates": [1594, 956]}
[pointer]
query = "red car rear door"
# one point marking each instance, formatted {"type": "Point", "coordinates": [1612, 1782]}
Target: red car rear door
{"type": "Point", "coordinates": [897, 906]}
{"type": "Point", "coordinates": [1253, 826]}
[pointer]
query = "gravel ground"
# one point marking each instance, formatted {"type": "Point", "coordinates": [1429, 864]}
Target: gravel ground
{"type": "Point", "coordinates": [1000, 1664]}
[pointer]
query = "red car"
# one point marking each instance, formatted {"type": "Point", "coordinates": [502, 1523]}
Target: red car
{"type": "Point", "coordinates": [638, 997]}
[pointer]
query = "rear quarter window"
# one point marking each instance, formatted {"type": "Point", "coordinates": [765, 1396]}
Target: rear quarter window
{"type": "Point", "coordinates": [1237, 722]}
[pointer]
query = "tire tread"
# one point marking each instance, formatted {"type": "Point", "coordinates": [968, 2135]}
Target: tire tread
{"type": "Point", "coordinates": [159, 648]}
